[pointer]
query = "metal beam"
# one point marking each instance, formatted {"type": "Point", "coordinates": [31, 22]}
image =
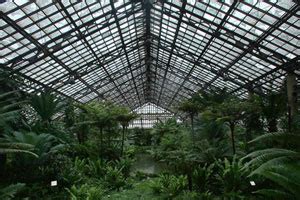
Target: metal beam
{"type": "Point", "coordinates": [173, 45]}
{"type": "Point", "coordinates": [41, 47]}
{"type": "Point", "coordinates": [124, 47]}
{"type": "Point", "coordinates": [147, 6]}
{"type": "Point", "coordinates": [91, 49]}
{"type": "Point", "coordinates": [256, 43]}
{"type": "Point", "coordinates": [64, 35]}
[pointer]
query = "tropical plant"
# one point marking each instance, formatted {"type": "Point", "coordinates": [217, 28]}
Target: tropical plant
{"type": "Point", "coordinates": [232, 112]}
{"type": "Point", "coordinates": [114, 178]}
{"type": "Point", "coordinates": [191, 108]}
{"type": "Point", "coordinates": [124, 116]}
{"type": "Point", "coordinates": [202, 177]}
{"type": "Point", "coordinates": [279, 164]}
{"type": "Point", "coordinates": [46, 105]}
{"type": "Point", "coordinates": [273, 107]}
{"type": "Point", "coordinates": [233, 178]}
{"type": "Point", "coordinates": [9, 192]}
{"type": "Point", "coordinates": [102, 115]}
{"type": "Point", "coordinates": [86, 192]}
{"type": "Point", "coordinates": [17, 147]}
{"type": "Point", "coordinates": [169, 185]}
{"type": "Point", "coordinates": [43, 144]}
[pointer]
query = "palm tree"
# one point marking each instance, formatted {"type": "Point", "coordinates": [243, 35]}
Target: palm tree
{"type": "Point", "coordinates": [101, 115]}
{"type": "Point", "coordinates": [124, 117]}
{"type": "Point", "coordinates": [191, 108]}
{"type": "Point", "coordinates": [46, 105]}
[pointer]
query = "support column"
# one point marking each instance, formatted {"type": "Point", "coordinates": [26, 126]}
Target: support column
{"type": "Point", "coordinates": [291, 84]}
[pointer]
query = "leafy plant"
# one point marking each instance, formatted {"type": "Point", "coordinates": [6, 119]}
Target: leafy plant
{"type": "Point", "coordinates": [114, 178]}
{"type": "Point", "coordinates": [10, 191]}
{"type": "Point", "coordinates": [46, 105]}
{"type": "Point", "coordinates": [169, 185]}
{"type": "Point", "coordinates": [10, 147]}
{"type": "Point", "coordinates": [233, 178]}
{"type": "Point", "coordinates": [202, 177]}
{"type": "Point", "coordinates": [41, 144]}
{"type": "Point", "coordinates": [86, 192]}
{"type": "Point", "coordinates": [124, 116]}
{"type": "Point", "coordinates": [278, 164]}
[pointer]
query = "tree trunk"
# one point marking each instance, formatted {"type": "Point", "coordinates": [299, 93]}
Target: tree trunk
{"type": "Point", "coordinates": [101, 143]}
{"type": "Point", "coordinates": [189, 177]}
{"type": "Point", "coordinates": [272, 125]}
{"type": "Point", "coordinates": [3, 159]}
{"type": "Point", "coordinates": [232, 137]}
{"type": "Point", "coordinates": [123, 138]}
{"type": "Point", "coordinates": [192, 125]}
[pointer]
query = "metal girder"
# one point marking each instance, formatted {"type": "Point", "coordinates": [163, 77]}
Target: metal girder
{"type": "Point", "coordinates": [67, 33]}
{"type": "Point", "coordinates": [289, 66]}
{"type": "Point", "coordinates": [173, 45]}
{"type": "Point", "coordinates": [197, 63]}
{"type": "Point", "coordinates": [37, 82]}
{"type": "Point", "coordinates": [160, 28]}
{"type": "Point", "coordinates": [261, 38]}
{"type": "Point", "coordinates": [102, 63]}
{"type": "Point", "coordinates": [147, 6]}
{"type": "Point", "coordinates": [124, 48]}
{"type": "Point", "coordinates": [227, 30]}
{"type": "Point", "coordinates": [91, 49]}
{"type": "Point", "coordinates": [36, 43]}
{"type": "Point", "coordinates": [96, 83]}
{"type": "Point", "coordinates": [206, 47]}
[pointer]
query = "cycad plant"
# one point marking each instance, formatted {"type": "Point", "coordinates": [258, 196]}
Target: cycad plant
{"type": "Point", "coordinates": [280, 164]}
{"type": "Point", "coordinates": [46, 105]}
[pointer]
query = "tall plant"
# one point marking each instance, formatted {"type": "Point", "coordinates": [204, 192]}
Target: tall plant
{"type": "Point", "coordinates": [124, 117]}
{"type": "Point", "coordinates": [273, 107]}
{"type": "Point", "coordinates": [46, 105]}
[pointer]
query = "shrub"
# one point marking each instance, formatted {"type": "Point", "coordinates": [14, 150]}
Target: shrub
{"type": "Point", "coordinates": [169, 185]}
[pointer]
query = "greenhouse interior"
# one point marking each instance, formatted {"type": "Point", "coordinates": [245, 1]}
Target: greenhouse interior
{"type": "Point", "coordinates": [150, 100]}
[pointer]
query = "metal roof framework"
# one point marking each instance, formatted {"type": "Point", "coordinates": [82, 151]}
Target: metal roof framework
{"type": "Point", "coordinates": [140, 51]}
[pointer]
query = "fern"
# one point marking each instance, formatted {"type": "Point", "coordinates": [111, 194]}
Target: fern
{"type": "Point", "coordinates": [280, 165]}
{"type": "Point", "coordinates": [289, 138]}
{"type": "Point", "coordinates": [10, 191]}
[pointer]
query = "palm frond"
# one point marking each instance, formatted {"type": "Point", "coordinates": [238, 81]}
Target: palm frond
{"type": "Point", "coordinates": [262, 156]}
{"type": "Point", "coordinates": [8, 151]}
{"type": "Point", "coordinates": [287, 137]}
{"type": "Point", "coordinates": [274, 194]}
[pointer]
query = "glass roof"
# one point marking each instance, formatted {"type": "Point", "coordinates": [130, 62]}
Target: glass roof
{"type": "Point", "coordinates": [134, 52]}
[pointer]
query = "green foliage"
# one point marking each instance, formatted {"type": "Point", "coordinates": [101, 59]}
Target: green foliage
{"type": "Point", "coordinates": [170, 126]}
{"type": "Point", "coordinates": [233, 178]}
{"type": "Point", "coordinates": [273, 106]}
{"type": "Point", "coordinates": [10, 147]}
{"type": "Point", "coordinates": [10, 107]}
{"type": "Point", "coordinates": [42, 144]}
{"type": "Point", "coordinates": [114, 179]}
{"type": "Point", "coordinates": [46, 105]}
{"type": "Point", "coordinates": [169, 185]}
{"type": "Point", "coordinates": [202, 177]}
{"type": "Point", "coordinates": [278, 164]}
{"type": "Point", "coordinates": [10, 191]}
{"type": "Point", "coordinates": [86, 192]}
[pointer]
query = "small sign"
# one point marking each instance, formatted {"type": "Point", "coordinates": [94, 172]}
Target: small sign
{"type": "Point", "coordinates": [53, 183]}
{"type": "Point", "coordinates": [252, 183]}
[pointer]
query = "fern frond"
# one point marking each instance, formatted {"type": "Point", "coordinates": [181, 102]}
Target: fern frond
{"type": "Point", "coordinates": [262, 156]}
{"type": "Point", "coordinates": [279, 136]}
{"type": "Point", "coordinates": [7, 151]}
